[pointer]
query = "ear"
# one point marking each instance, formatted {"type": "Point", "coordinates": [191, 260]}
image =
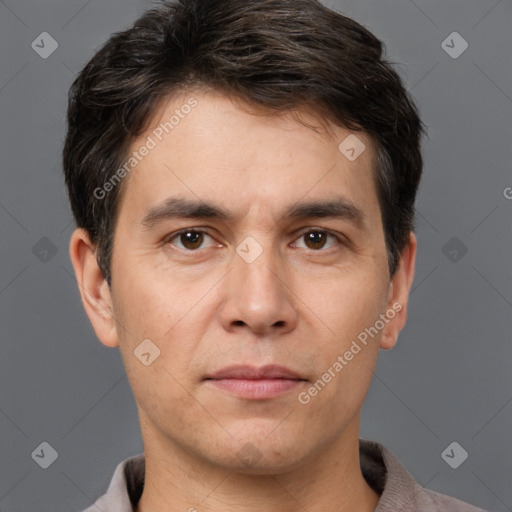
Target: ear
{"type": "Point", "coordinates": [398, 296]}
{"type": "Point", "coordinates": [93, 287]}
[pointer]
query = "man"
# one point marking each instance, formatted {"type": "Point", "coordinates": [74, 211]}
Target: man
{"type": "Point", "coordinates": [243, 177]}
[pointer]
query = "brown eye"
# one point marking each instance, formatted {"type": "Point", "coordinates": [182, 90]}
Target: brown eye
{"type": "Point", "coordinates": [191, 239]}
{"type": "Point", "coordinates": [315, 239]}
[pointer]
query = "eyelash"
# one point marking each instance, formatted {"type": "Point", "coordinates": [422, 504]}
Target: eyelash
{"type": "Point", "coordinates": [177, 234]}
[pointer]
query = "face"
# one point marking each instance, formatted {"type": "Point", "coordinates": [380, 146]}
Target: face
{"type": "Point", "coordinates": [248, 240]}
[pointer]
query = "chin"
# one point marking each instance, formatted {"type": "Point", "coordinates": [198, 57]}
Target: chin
{"type": "Point", "coordinates": [264, 453]}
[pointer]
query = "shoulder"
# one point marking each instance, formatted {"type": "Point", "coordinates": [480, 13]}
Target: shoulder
{"type": "Point", "coordinates": [433, 501]}
{"type": "Point", "coordinates": [401, 492]}
{"type": "Point", "coordinates": [125, 487]}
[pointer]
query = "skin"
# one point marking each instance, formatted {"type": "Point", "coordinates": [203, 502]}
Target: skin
{"type": "Point", "coordinates": [299, 304]}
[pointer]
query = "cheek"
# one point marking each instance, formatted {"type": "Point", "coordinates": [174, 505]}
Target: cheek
{"type": "Point", "coordinates": [146, 315]}
{"type": "Point", "coordinates": [343, 314]}
{"type": "Point", "coordinates": [160, 380]}
{"type": "Point", "coordinates": [347, 303]}
{"type": "Point", "coordinates": [150, 303]}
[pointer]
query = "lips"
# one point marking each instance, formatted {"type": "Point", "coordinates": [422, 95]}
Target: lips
{"type": "Point", "coordinates": [244, 372]}
{"type": "Point", "coordinates": [253, 383]}
{"type": "Point", "coordinates": [260, 389]}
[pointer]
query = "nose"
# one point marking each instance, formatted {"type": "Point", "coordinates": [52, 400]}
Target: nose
{"type": "Point", "coordinates": [258, 296]}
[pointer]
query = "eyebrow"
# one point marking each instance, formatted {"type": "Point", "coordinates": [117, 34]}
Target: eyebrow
{"type": "Point", "coordinates": [339, 207]}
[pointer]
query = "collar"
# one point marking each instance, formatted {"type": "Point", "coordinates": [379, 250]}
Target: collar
{"type": "Point", "coordinates": [398, 490]}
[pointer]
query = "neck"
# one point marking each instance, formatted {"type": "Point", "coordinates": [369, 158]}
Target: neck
{"type": "Point", "coordinates": [178, 480]}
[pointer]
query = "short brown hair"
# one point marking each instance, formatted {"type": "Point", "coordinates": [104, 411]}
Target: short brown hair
{"type": "Point", "coordinates": [278, 54]}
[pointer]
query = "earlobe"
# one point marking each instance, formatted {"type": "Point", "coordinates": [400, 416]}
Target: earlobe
{"type": "Point", "coordinates": [93, 288]}
{"type": "Point", "coordinates": [398, 297]}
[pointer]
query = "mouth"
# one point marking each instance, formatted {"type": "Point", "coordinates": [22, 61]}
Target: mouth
{"type": "Point", "coordinates": [256, 383]}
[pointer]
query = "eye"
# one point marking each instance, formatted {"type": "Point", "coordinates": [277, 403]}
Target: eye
{"type": "Point", "coordinates": [190, 239]}
{"type": "Point", "coordinates": [316, 239]}
{"type": "Point", "coordinates": [194, 239]}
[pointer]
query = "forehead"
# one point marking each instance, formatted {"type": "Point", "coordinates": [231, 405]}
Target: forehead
{"type": "Point", "coordinates": [204, 145]}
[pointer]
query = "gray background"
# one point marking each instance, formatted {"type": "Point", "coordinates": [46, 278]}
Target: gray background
{"type": "Point", "coordinates": [447, 380]}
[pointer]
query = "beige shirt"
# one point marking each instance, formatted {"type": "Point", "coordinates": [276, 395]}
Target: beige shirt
{"type": "Point", "coordinates": [398, 491]}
